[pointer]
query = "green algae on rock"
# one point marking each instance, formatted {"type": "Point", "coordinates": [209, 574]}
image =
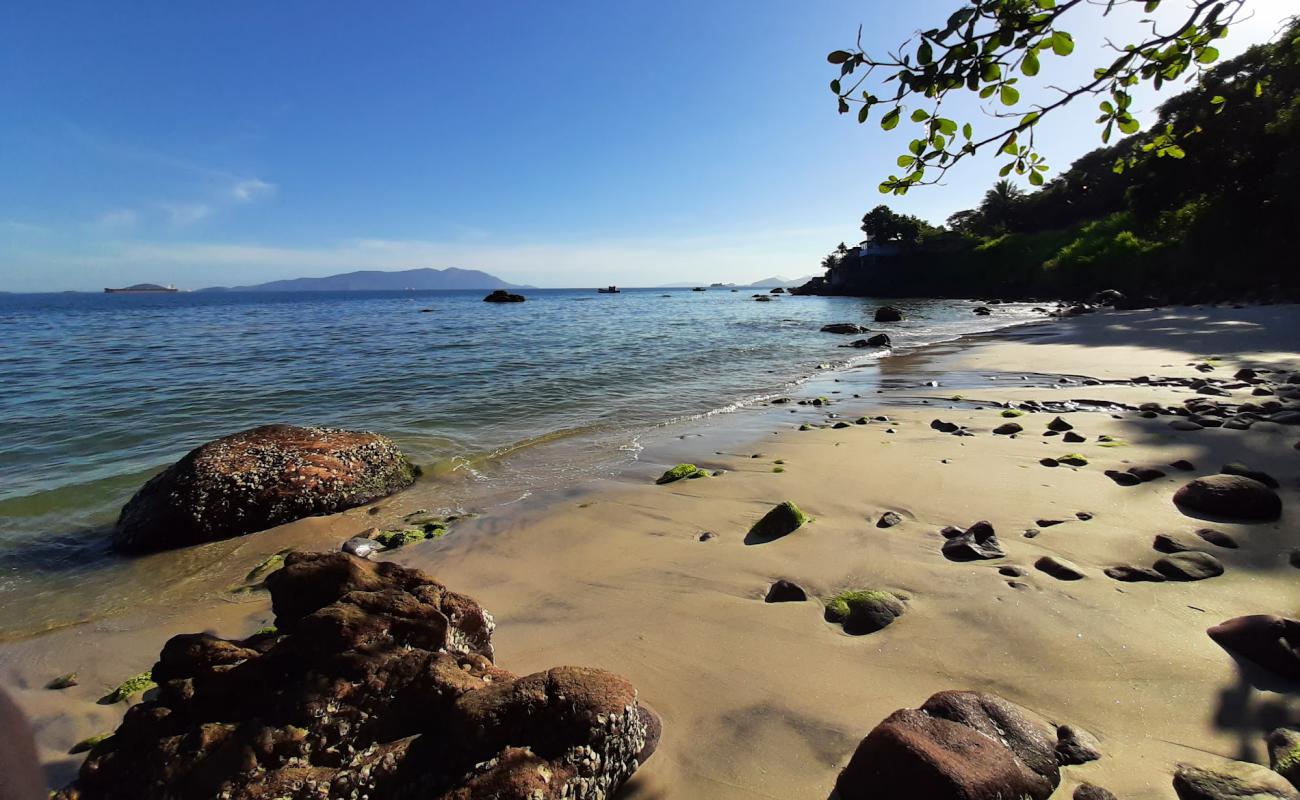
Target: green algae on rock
{"type": "Point", "coordinates": [89, 743]}
{"type": "Point", "coordinates": [1073, 459]}
{"type": "Point", "coordinates": [862, 611]}
{"type": "Point", "coordinates": [782, 519]}
{"type": "Point", "coordinates": [682, 471]}
{"type": "Point", "coordinates": [131, 686]}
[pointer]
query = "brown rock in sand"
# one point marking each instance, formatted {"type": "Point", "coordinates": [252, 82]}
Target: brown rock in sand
{"type": "Point", "coordinates": [1230, 496]}
{"type": "Point", "coordinates": [257, 479]}
{"type": "Point", "coordinates": [378, 683]}
{"type": "Point", "coordinates": [967, 745]}
{"type": "Point", "coordinates": [1270, 641]}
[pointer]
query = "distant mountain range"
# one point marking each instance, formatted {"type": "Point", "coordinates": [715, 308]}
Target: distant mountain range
{"type": "Point", "coordinates": [378, 280]}
{"type": "Point", "coordinates": [766, 283]}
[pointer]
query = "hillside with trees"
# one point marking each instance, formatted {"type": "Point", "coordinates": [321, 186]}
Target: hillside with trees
{"type": "Point", "coordinates": [1203, 205]}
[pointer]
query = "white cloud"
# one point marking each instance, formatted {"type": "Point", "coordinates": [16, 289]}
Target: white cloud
{"type": "Point", "coordinates": [186, 214]}
{"type": "Point", "coordinates": [250, 189]}
{"type": "Point", "coordinates": [116, 219]}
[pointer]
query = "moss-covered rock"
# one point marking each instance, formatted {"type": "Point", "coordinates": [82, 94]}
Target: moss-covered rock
{"type": "Point", "coordinates": [130, 687]}
{"type": "Point", "coordinates": [782, 519]}
{"type": "Point", "coordinates": [1284, 753]}
{"type": "Point", "coordinates": [1073, 459]}
{"type": "Point", "coordinates": [805, 427]}
{"type": "Point", "coordinates": [269, 565]}
{"type": "Point", "coordinates": [682, 472]}
{"type": "Point", "coordinates": [404, 536]}
{"type": "Point", "coordinates": [63, 681]}
{"type": "Point", "coordinates": [862, 611]}
{"type": "Point", "coordinates": [1012, 412]}
{"type": "Point", "coordinates": [89, 743]}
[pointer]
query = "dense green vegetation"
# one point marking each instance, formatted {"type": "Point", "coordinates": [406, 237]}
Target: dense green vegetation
{"type": "Point", "coordinates": [1202, 205]}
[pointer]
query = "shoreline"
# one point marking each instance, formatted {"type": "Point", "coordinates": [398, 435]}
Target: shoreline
{"type": "Point", "coordinates": [769, 700]}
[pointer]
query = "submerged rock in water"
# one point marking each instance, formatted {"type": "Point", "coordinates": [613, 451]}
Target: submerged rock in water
{"type": "Point", "coordinates": [843, 327]}
{"type": "Point", "coordinates": [257, 479]}
{"type": "Point", "coordinates": [967, 745]}
{"type": "Point", "coordinates": [378, 682]}
{"type": "Point", "coordinates": [502, 296]}
{"type": "Point", "coordinates": [888, 314]}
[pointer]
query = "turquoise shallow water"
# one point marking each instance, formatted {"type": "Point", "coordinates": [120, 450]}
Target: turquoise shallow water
{"type": "Point", "coordinates": [100, 391]}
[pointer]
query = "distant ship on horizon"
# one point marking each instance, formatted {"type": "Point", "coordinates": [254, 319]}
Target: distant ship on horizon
{"type": "Point", "coordinates": [143, 288]}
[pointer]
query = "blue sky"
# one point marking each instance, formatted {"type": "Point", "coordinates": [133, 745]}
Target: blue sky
{"type": "Point", "coordinates": [558, 144]}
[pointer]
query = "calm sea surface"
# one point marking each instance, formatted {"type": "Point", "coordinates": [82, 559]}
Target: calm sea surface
{"type": "Point", "coordinates": [100, 391]}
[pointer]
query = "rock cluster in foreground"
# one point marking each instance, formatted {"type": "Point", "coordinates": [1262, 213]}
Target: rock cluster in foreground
{"type": "Point", "coordinates": [378, 682]}
{"type": "Point", "coordinates": [257, 479]}
{"type": "Point", "coordinates": [968, 745]}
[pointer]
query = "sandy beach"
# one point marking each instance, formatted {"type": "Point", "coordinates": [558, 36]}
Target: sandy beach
{"type": "Point", "coordinates": [769, 699]}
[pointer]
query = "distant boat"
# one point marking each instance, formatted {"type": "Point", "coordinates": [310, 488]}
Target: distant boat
{"type": "Point", "coordinates": [699, 289]}
{"type": "Point", "coordinates": [143, 288]}
{"type": "Point", "coordinates": [610, 290]}
{"type": "Point", "coordinates": [717, 285]}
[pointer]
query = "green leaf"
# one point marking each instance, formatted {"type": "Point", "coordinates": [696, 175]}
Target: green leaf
{"type": "Point", "coordinates": [1062, 43]}
{"type": "Point", "coordinates": [987, 92]}
{"type": "Point", "coordinates": [967, 131]}
{"type": "Point", "coordinates": [1151, 5]}
{"type": "Point", "coordinates": [906, 161]}
{"type": "Point", "coordinates": [1036, 178]}
{"type": "Point", "coordinates": [919, 115]}
{"type": "Point", "coordinates": [991, 71]}
{"type": "Point", "coordinates": [839, 56]}
{"type": "Point", "coordinates": [1208, 55]}
{"type": "Point", "coordinates": [939, 142]}
{"type": "Point", "coordinates": [886, 188]}
{"type": "Point", "coordinates": [1005, 171]}
{"type": "Point", "coordinates": [1218, 100]}
{"type": "Point", "coordinates": [1030, 65]}
{"type": "Point", "coordinates": [1128, 124]}
{"type": "Point", "coordinates": [890, 120]}
{"type": "Point", "coordinates": [862, 113]}
{"type": "Point", "coordinates": [1174, 151]}
{"type": "Point", "coordinates": [1009, 95]}
{"type": "Point", "coordinates": [835, 86]}
{"type": "Point", "coordinates": [924, 53]}
{"type": "Point", "coordinates": [1107, 107]}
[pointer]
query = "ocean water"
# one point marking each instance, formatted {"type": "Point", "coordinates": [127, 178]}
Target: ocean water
{"type": "Point", "coordinates": [101, 391]}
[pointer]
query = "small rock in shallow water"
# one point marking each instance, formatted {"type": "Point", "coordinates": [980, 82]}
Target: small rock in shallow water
{"type": "Point", "coordinates": [1059, 425]}
{"type": "Point", "coordinates": [1007, 429]}
{"type": "Point", "coordinates": [1073, 438]}
{"type": "Point", "coordinates": [1192, 565]}
{"type": "Point", "coordinates": [1059, 568]}
{"type": "Point", "coordinates": [360, 546]}
{"type": "Point", "coordinates": [784, 591]}
{"type": "Point", "coordinates": [1185, 425]}
{"type": "Point", "coordinates": [1183, 464]}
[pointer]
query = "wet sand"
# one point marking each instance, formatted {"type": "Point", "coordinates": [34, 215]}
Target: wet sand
{"type": "Point", "coordinates": [769, 700]}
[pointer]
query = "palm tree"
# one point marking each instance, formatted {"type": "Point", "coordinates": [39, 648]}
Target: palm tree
{"type": "Point", "coordinates": [999, 204]}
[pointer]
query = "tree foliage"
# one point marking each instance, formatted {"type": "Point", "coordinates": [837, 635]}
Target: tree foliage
{"type": "Point", "coordinates": [1222, 216]}
{"type": "Point", "coordinates": [881, 224]}
{"type": "Point", "coordinates": [986, 47]}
